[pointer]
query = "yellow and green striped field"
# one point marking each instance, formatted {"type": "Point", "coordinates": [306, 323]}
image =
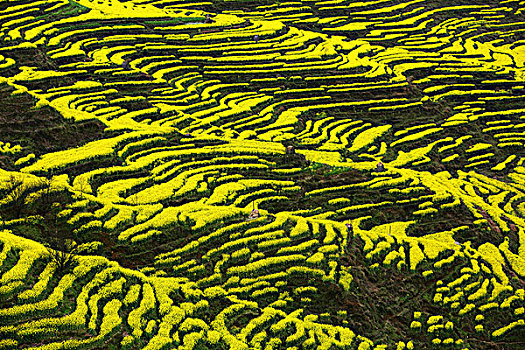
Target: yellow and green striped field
{"type": "Point", "coordinates": [137, 137]}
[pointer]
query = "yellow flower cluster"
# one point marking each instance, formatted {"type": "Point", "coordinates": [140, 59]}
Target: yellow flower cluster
{"type": "Point", "coordinates": [255, 266]}
{"type": "Point", "coordinates": [6, 148]}
{"type": "Point", "coordinates": [110, 290]}
{"type": "Point", "coordinates": [135, 318]}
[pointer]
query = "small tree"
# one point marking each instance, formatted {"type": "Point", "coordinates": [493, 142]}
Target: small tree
{"type": "Point", "coordinates": [15, 191]}
{"type": "Point", "coordinates": [46, 192]}
{"type": "Point", "coordinates": [63, 256]}
{"type": "Point", "coordinates": [59, 243]}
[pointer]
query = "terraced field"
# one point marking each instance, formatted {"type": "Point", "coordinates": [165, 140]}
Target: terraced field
{"type": "Point", "coordinates": [137, 137]}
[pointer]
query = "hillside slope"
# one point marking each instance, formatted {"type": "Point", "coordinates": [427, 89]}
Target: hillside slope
{"type": "Point", "coordinates": [147, 131]}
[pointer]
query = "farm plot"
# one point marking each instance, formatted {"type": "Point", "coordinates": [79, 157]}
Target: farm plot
{"type": "Point", "coordinates": [204, 175]}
